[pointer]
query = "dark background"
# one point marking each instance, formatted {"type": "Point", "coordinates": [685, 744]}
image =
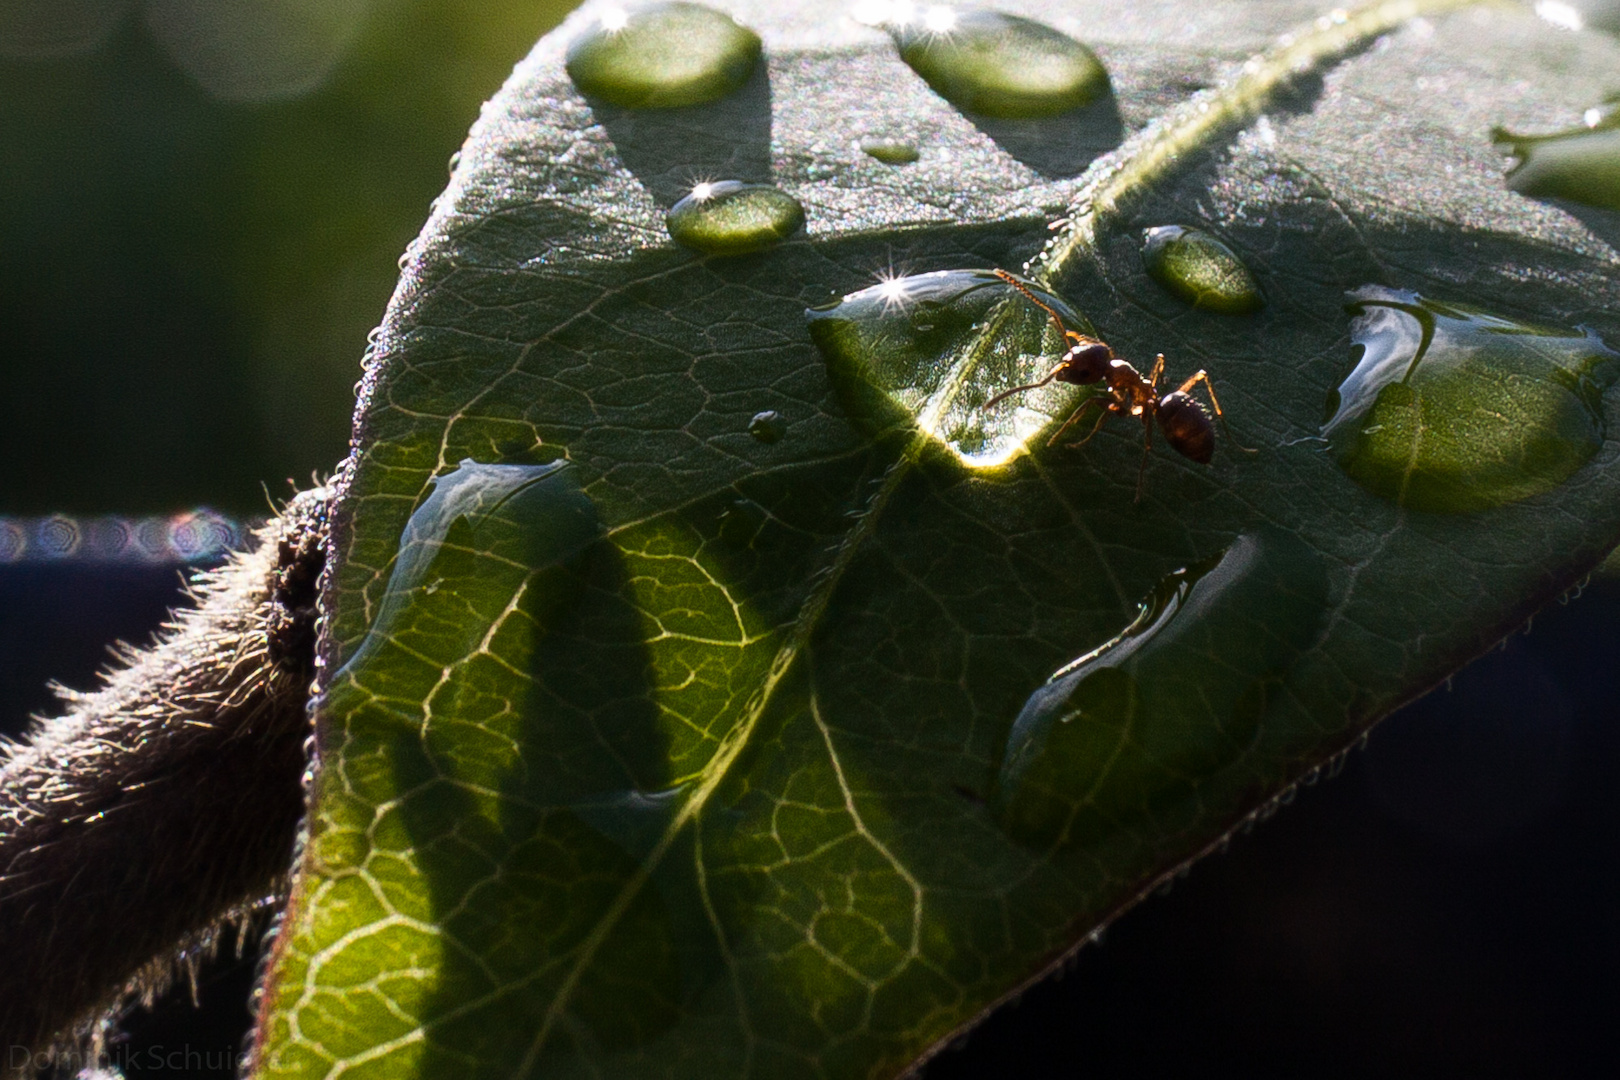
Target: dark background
{"type": "Point", "coordinates": [187, 277]}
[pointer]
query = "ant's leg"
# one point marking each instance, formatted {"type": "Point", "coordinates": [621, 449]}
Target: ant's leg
{"type": "Point", "coordinates": [1076, 415]}
{"type": "Point", "coordinates": [1153, 378]}
{"type": "Point", "coordinates": [1147, 446]}
{"type": "Point", "coordinates": [1101, 416]}
{"type": "Point", "coordinates": [1027, 386]}
{"type": "Point", "coordinates": [1202, 376]}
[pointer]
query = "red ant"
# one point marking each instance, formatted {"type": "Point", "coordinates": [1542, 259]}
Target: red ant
{"type": "Point", "coordinates": [1183, 420]}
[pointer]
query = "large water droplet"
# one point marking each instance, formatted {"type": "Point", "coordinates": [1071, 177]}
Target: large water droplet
{"type": "Point", "coordinates": [999, 65]}
{"type": "Point", "coordinates": [1196, 267]}
{"type": "Point", "coordinates": [662, 55]}
{"type": "Point", "coordinates": [730, 217]}
{"type": "Point", "coordinates": [914, 350]}
{"type": "Point", "coordinates": [1452, 409]}
{"type": "Point", "coordinates": [891, 151]}
{"type": "Point", "coordinates": [1581, 164]}
{"type": "Point", "coordinates": [1132, 728]}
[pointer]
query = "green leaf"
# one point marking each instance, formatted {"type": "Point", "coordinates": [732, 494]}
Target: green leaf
{"type": "Point", "coordinates": [710, 754]}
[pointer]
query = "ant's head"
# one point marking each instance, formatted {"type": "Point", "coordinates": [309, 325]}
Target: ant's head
{"type": "Point", "coordinates": [1086, 363]}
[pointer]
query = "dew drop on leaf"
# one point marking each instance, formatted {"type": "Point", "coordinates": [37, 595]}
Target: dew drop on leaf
{"type": "Point", "coordinates": [742, 522]}
{"type": "Point", "coordinates": [1581, 164]}
{"type": "Point", "coordinates": [1452, 409]}
{"type": "Point", "coordinates": [1186, 686]}
{"type": "Point", "coordinates": [999, 65]}
{"type": "Point", "coordinates": [729, 217]}
{"type": "Point", "coordinates": [455, 773]}
{"type": "Point", "coordinates": [493, 525]}
{"type": "Point", "coordinates": [768, 426]}
{"type": "Point", "coordinates": [890, 151]}
{"type": "Point", "coordinates": [1195, 267]}
{"type": "Point", "coordinates": [911, 351]}
{"type": "Point", "coordinates": [662, 55]}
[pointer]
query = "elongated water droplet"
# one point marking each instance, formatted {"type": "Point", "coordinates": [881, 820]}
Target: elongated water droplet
{"type": "Point", "coordinates": [1196, 267]}
{"type": "Point", "coordinates": [479, 536]}
{"type": "Point", "coordinates": [730, 217]}
{"type": "Point", "coordinates": [999, 65]}
{"type": "Point", "coordinates": [891, 151]}
{"type": "Point", "coordinates": [911, 350]}
{"type": "Point", "coordinates": [767, 426]}
{"type": "Point", "coordinates": [1133, 727]}
{"type": "Point", "coordinates": [1581, 164]}
{"type": "Point", "coordinates": [1452, 409]}
{"type": "Point", "coordinates": [483, 733]}
{"type": "Point", "coordinates": [662, 55]}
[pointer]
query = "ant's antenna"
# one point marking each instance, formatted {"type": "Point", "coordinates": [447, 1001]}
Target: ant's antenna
{"type": "Point", "coordinates": [1063, 331]}
{"type": "Point", "coordinates": [1027, 386]}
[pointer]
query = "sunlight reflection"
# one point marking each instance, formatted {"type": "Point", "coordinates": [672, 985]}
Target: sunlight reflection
{"type": "Point", "coordinates": [940, 20]}
{"type": "Point", "coordinates": [1562, 15]}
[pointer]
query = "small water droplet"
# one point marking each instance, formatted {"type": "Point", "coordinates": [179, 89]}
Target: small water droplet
{"type": "Point", "coordinates": [910, 350]}
{"type": "Point", "coordinates": [891, 151]}
{"type": "Point", "coordinates": [1196, 267]}
{"type": "Point", "coordinates": [1580, 164]}
{"type": "Point", "coordinates": [729, 217]}
{"type": "Point", "coordinates": [999, 65]}
{"type": "Point", "coordinates": [742, 522]}
{"type": "Point", "coordinates": [1452, 409]}
{"type": "Point", "coordinates": [662, 55]}
{"type": "Point", "coordinates": [768, 426]}
{"type": "Point", "coordinates": [635, 820]}
{"type": "Point", "coordinates": [1134, 726]}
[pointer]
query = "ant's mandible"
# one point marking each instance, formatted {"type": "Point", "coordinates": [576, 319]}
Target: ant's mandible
{"type": "Point", "coordinates": [1183, 420]}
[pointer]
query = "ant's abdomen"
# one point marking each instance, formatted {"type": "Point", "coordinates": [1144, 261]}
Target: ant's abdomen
{"type": "Point", "coordinates": [1186, 427]}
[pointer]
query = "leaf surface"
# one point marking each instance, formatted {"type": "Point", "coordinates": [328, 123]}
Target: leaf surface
{"type": "Point", "coordinates": [710, 755]}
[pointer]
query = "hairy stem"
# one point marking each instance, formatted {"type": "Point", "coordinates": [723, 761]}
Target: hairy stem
{"type": "Point", "coordinates": [164, 806]}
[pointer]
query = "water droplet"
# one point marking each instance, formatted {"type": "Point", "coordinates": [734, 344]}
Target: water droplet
{"type": "Point", "coordinates": [999, 65]}
{"type": "Point", "coordinates": [891, 151]}
{"type": "Point", "coordinates": [1452, 409]}
{"type": "Point", "coordinates": [742, 522]}
{"type": "Point", "coordinates": [767, 426]}
{"type": "Point", "coordinates": [1134, 726]}
{"type": "Point", "coordinates": [1581, 164]}
{"type": "Point", "coordinates": [662, 55]}
{"type": "Point", "coordinates": [729, 217]}
{"type": "Point", "coordinates": [486, 721]}
{"type": "Point", "coordinates": [635, 820]}
{"type": "Point", "coordinates": [1196, 267]}
{"type": "Point", "coordinates": [910, 350]}
{"type": "Point", "coordinates": [490, 528]}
